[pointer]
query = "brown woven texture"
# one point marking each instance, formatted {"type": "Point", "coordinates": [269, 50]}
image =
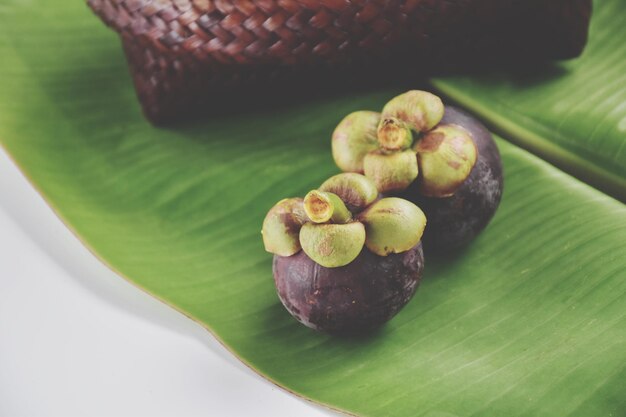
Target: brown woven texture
{"type": "Point", "coordinates": [190, 54]}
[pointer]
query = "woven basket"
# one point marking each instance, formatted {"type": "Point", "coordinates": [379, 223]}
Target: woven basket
{"type": "Point", "coordinates": [186, 55]}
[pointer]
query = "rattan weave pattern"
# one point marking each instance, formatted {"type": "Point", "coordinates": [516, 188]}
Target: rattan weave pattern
{"type": "Point", "coordinates": [183, 53]}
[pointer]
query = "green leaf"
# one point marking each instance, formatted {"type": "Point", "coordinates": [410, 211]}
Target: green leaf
{"type": "Point", "coordinates": [573, 113]}
{"type": "Point", "coordinates": [529, 320]}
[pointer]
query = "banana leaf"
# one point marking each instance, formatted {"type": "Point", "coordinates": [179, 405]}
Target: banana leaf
{"type": "Point", "coordinates": [572, 113]}
{"type": "Point", "coordinates": [528, 320]}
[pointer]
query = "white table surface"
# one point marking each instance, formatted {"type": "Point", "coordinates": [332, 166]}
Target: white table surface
{"type": "Point", "coordinates": [78, 340]}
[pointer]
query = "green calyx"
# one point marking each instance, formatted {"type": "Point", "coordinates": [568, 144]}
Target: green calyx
{"type": "Point", "coordinates": [322, 207]}
{"type": "Point", "coordinates": [392, 225]}
{"type": "Point", "coordinates": [420, 110]}
{"type": "Point", "coordinates": [382, 147]}
{"type": "Point", "coordinates": [332, 245]}
{"type": "Point", "coordinates": [355, 190]}
{"type": "Point", "coordinates": [394, 135]}
{"type": "Point", "coordinates": [281, 227]}
{"type": "Point", "coordinates": [391, 171]}
{"type": "Point", "coordinates": [353, 138]}
{"type": "Point", "coordinates": [322, 225]}
{"type": "Point", "coordinates": [446, 156]}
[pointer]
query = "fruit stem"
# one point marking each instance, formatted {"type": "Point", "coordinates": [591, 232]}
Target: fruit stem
{"type": "Point", "coordinates": [322, 207]}
{"type": "Point", "coordinates": [394, 135]}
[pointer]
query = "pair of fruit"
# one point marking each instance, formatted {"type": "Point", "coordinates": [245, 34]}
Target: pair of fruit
{"type": "Point", "coordinates": [349, 256]}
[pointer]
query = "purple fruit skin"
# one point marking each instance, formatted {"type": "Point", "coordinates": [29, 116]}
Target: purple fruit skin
{"type": "Point", "coordinates": [452, 222]}
{"type": "Point", "coordinates": [351, 299]}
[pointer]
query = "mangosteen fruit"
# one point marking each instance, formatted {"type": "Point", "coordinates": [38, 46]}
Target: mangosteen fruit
{"type": "Point", "coordinates": [357, 297]}
{"type": "Point", "coordinates": [345, 260]}
{"type": "Point", "coordinates": [438, 157]}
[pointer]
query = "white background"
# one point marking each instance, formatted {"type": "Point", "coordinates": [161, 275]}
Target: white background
{"type": "Point", "coordinates": [78, 340]}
